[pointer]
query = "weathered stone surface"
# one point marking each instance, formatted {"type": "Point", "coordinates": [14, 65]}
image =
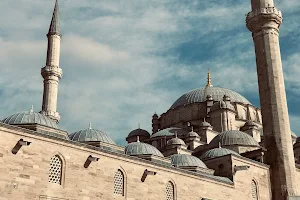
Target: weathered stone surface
{"type": "Point", "coordinates": [97, 181]}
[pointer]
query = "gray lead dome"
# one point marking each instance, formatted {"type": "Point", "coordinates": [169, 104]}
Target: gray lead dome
{"type": "Point", "coordinates": [200, 94]}
{"type": "Point", "coordinates": [233, 137]}
{"type": "Point", "coordinates": [217, 152]}
{"type": "Point", "coordinates": [185, 160]}
{"type": "Point", "coordinates": [91, 135]}
{"type": "Point", "coordinates": [140, 148]}
{"type": "Point", "coordinates": [30, 117]}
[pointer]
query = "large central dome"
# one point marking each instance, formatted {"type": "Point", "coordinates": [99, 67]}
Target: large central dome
{"type": "Point", "coordinates": [200, 94]}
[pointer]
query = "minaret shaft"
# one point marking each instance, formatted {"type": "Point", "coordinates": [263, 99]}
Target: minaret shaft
{"type": "Point", "coordinates": [264, 22]}
{"type": "Point", "coordinates": [53, 51]}
{"type": "Point", "coordinates": [52, 73]}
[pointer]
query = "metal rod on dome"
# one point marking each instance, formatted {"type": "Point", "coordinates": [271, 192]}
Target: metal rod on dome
{"type": "Point", "coordinates": [90, 126]}
{"type": "Point", "coordinates": [209, 79]}
{"type": "Point", "coordinates": [31, 109]}
{"type": "Point", "coordinates": [139, 125]}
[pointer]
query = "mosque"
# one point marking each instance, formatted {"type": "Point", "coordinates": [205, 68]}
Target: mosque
{"type": "Point", "coordinates": [211, 144]}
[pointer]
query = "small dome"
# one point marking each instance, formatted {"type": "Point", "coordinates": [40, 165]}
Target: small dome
{"type": "Point", "coordinates": [140, 148]}
{"type": "Point", "coordinates": [233, 137]}
{"type": "Point", "coordinates": [200, 95]}
{"type": "Point", "coordinates": [170, 132]}
{"type": "Point", "coordinates": [293, 134]}
{"type": "Point", "coordinates": [205, 124]}
{"type": "Point", "coordinates": [185, 160]}
{"type": "Point", "coordinates": [175, 141]}
{"type": "Point", "coordinates": [91, 135]}
{"type": "Point", "coordinates": [30, 117]}
{"type": "Point", "coordinates": [155, 115]}
{"type": "Point", "coordinates": [192, 134]}
{"type": "Point", "coordinates": [217, 152]}
{"type": "Point", "coordinates": [139, 132]}
{"type": "Point", "coordinates": [222, 105]}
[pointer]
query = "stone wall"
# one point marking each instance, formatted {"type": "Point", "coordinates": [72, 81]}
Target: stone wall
{"type": "Point", "coordinates": [25, 175]}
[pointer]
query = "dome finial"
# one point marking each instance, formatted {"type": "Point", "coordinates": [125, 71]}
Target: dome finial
{"type": "Point", "coordinates": [208, 79]}
{"type": "Point", "coordinates": [31, 109]}
{"type": "Point", "coordinates": [175, 134]}
{"type": "Point", "coordinates": [220, 145]}
{"type": "Point", "coordinates": [192, 129]}
{"type": "Point", "coordinates": [90, 126]}
{"type": "Point", "coordinates": [139, 125]}
{"type": "Point", "coordinates": [138, 138]}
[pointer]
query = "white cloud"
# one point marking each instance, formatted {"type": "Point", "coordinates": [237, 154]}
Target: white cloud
{"type": "Point", "coordinates": [114, 54]}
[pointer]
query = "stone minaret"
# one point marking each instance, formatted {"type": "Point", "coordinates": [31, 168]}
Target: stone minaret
{"type": "Point", "coordinates": [51, 72]}
{"type": "Point", "coordinates": [264, 21]}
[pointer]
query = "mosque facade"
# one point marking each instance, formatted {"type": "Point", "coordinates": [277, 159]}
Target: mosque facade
{"type": "Point", "coordinates": [211, 144]}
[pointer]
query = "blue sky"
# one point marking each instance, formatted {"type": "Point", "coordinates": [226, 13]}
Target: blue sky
{"type": "Point", "coordinates": [124, 60]}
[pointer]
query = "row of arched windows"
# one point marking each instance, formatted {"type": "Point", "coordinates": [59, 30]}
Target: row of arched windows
{"type": "Point", "coordinates": [56, 170]}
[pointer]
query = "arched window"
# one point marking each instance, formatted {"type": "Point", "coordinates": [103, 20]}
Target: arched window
{"type": "Point", "coordinates": [170, 194]}
{"type": "Point", "coordinates": [119, 183]}
{"type": "Point", "coordinates": [254, 190]}
{"type": "Point", "coordinates": [55, 171]}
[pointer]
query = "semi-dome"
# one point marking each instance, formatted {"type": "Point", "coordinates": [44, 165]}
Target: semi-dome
{"type": "Point", "coordinates": [200, 95]}
{"type": "Point", "coordinates": [170, 132]}
{"type": "Point", "coordinates": [140, 148]}
{"type": "Point", "coordinates": [175, 141]}
{"type": "Point", "coordinates": [91, 135]}
{"type": "Point", "coordinates": [217, 152]}
{"type": "Point", "coordinates": [30, 117]}
{"type": "Point", "coordinates": [185, 160]}
{"type": "Point", "coordinates": [139, 132]}
{"type": "Point", "coordinates": [233, 137]}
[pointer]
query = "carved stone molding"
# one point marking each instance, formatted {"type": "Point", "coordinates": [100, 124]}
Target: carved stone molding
{"type": "Point", "coordinates": [51, 71]}
{"type": "Point", "coordinates": [266, 31]}
{"type": "Point", "coordinates": [264, 17]}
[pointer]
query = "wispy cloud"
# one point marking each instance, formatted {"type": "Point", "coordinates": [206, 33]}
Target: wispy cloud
{"type": "Point", "coordinates": [122, 60]}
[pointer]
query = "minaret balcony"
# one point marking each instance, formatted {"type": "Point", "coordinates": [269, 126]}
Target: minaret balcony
{"type": "Point", "coordinates": [51, 71]}
{"type": "Point", "coordinates": [258, 18]}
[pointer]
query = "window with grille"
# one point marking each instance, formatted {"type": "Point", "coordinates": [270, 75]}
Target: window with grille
{"type": "Point", "coordinates": [55, 170]}
{"type": "Point", "coordinates": [119, 183]}
{"type": "Point", "coordinates": [254, 190]}
{"type": "Point", "coordinates": [170, 191]}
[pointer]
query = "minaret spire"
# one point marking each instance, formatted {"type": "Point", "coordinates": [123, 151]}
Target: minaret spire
{"type": "Point", "coordinates": [208, 79]}
{"type": "Point", "coordinates": [55, 22]}
{"type": "Point", "coordinates": [52, 73]}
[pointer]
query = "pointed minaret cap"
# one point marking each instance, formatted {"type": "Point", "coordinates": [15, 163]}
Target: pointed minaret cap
{"type": "Point", "coordinates": [208, 79]}
{"type": "Point", "coordinates": [54, 28]}
{"type": "Point", "coordinates": [31, 109]}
